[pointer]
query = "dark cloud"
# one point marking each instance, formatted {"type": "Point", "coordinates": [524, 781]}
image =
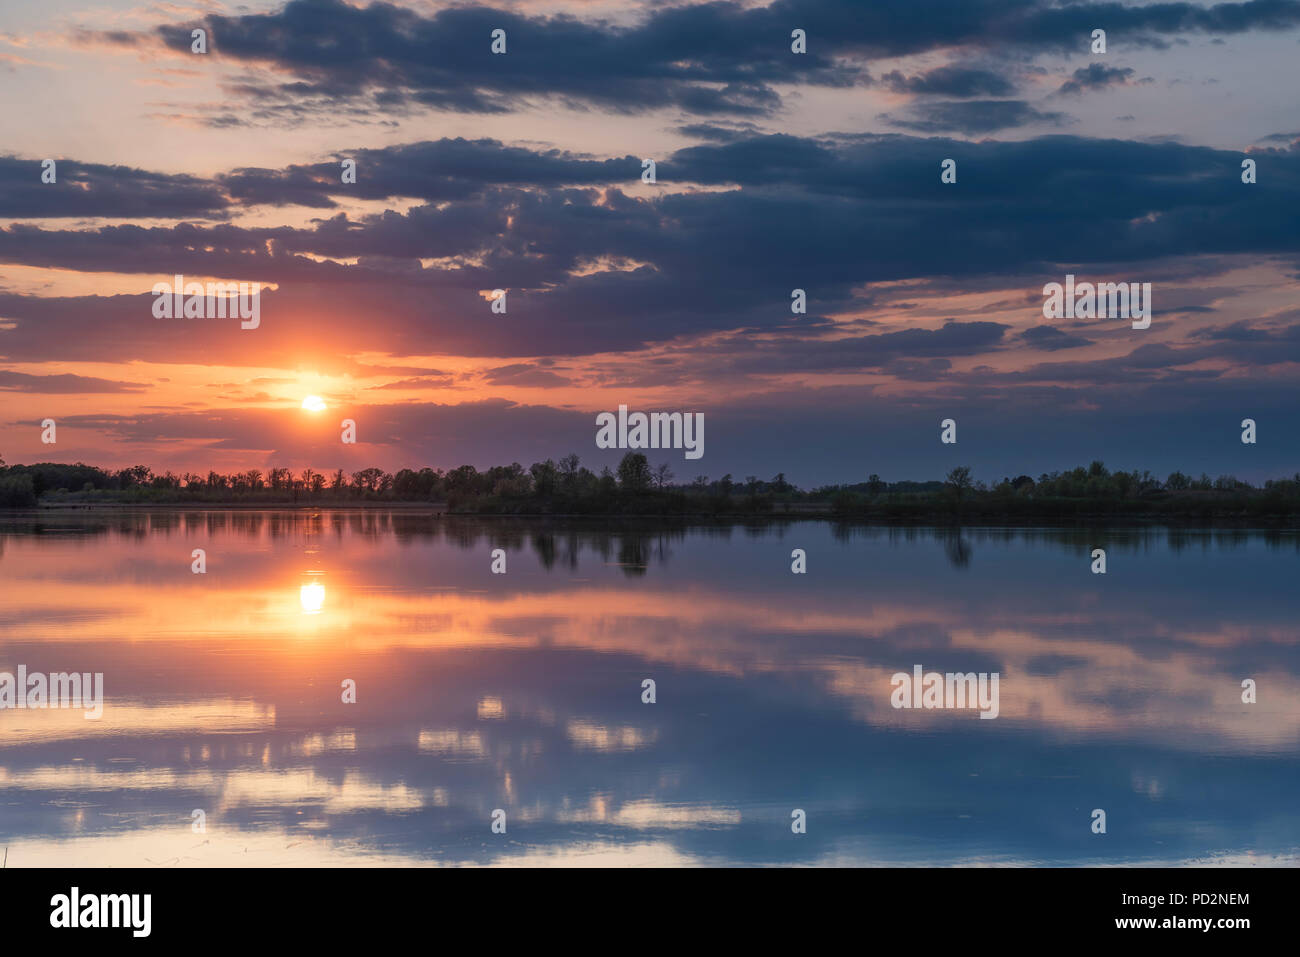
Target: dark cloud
{"type": "Point", "coordinates": [1049, 337]}
{"type": "Point", "coordinates": [719, 133]}
{"type": "Point", "coordinates": [63, 384]}
{"type": "Point", "coordinates": [591, 269]}
{"type": "Point", "coordinates": [792, 354]}
{"type": "Point", "coordinates": [527, 375]}
{"type": "Point", "coordinates": [951, 81]}
{"type": "Point", "coordinates": [1095, 77]}
{"type": "Point", "coordinates": [973, 117]}
{"type": "Point", "coordinates": [706, 59]}
{"type": "Point", "coordinates": [448, 169]}
{"type": "Point", "coordinates": [90, 189]}
{"type": "Point", "coordinates": [700, 59]}
{"type": "Point", "coordinates": [419, 382]}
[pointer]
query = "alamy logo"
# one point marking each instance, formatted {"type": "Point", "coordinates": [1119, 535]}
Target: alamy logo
{"type": "Point", "coordinates": [214, 300]}
{"type": "Point", "coordinates": [103, 910]}
{"type": "Point", "coordinates": [1105, 300]}
{"type": "Point", "coordinates": [658, 430]}
{"type": "Point", "coordinates": [57, 690]}
{"type": "Point", "coordinates": [951, 690]}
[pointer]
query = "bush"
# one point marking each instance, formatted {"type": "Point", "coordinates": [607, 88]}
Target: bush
{"type": "Point", "coordinates": [17, 491]}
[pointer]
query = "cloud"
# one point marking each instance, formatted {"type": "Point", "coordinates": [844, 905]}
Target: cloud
{"type": "Point", "coordinates": [951, 81]}
{"type": "Point", "coordinates": [973, 116]}
{"type": "Point", "coordinates": [397, 59]}
{"type": "Point", "coordinates": [797, 354]}
{"type": "Point", "coordinates": [437, 380]}
{"type": "Point", "coordinates": [526, 375]}
{"type": "Point", "coordinates": [713, 59]}
{"type": "Point", "coordinates": [1051, 338]}
{"type": "Point", "coordinates": [92, 189]}
{"type": "Point", "coordinates": [63, 384]}
{"type": "Point", "coordinates": [436, 171]}
{"type": "Point", "coordinates": [1095, 77]}
{"type": "Point", "coordinates": [831, 215]}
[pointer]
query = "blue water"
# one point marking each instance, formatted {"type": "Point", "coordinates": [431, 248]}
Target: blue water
{"type": "Point", "coordinates": [522, 693]}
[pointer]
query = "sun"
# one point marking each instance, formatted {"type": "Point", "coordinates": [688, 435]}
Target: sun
{"type": "Point", "coordinates": [313, 403]}
{"type": "Point", "coordinates": [312, 598]}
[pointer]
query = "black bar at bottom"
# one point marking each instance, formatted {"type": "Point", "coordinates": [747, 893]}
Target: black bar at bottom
{"type": "Point", "coordinates": [331, 906]}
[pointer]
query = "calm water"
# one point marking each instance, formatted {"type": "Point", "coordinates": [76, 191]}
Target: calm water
{"type": "Point", "coordinates": [523, 692]}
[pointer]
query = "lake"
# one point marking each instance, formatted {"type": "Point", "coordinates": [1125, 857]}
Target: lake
{"type": "Point", "coordinates": [522, 692]}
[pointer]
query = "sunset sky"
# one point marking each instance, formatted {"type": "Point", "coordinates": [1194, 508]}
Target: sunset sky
{"type": "Point", "coordinates": [775, 171]}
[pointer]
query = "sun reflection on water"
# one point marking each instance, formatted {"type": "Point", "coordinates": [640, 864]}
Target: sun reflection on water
{"type": "Point", "coordinates": [312, 598]}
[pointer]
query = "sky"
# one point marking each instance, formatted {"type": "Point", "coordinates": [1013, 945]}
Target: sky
{"type": "Point", "coordinates": [774, 171]}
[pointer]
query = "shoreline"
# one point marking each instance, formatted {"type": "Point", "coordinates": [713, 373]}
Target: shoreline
{"type": "Point", "coordinates": [805, 513]}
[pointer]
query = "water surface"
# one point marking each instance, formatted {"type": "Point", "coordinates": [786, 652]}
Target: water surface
{"type": "Point", "coordinates": [523, 692]}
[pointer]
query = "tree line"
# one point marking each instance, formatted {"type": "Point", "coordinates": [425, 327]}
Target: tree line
{"type": "Point", "coordinates": [637, 487]}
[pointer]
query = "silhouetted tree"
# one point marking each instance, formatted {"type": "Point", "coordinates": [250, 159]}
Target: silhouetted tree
{"type": "Point", "coordinates": [634, 472]}
{"type": "Point", "coordinates": [959, 480]}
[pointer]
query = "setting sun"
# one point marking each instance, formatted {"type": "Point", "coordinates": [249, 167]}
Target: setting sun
{"type": "Point", "coordinates": [313, 403]}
